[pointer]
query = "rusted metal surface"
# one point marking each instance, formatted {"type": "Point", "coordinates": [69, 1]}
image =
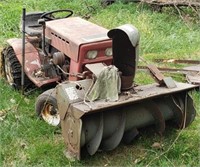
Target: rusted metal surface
{"type": "Point", "coordinates": [87, 125]}
{"type": "Point", "coordinates": [143, 92]}
{"type": "Point", "coordinates": [157, 115]}
{"type": "Point", "coordinates": [177, 61]}
{"type": "Point", "coordinates": [193, 68]}
{"type": "Point", "coordinates": [157, 75]}
{"type": "Point", "coordinates": [193, 77]}
{"type": "Point", "coordinates": [68, 34]}
{"type": "Point", "coordinates": [46, 107]}
{"type": "Point", "coordinates": [160, 78]}
{"type": "Point", "coordinates": [166, 69]}
{"type": "Point", "coordinates": [32, 62]}
{"type": "Point", "coordinates": [192, 73]}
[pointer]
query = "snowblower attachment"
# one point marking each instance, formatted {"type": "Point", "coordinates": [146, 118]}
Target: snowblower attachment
{"type": "Point", "coordinates": [102, 124]}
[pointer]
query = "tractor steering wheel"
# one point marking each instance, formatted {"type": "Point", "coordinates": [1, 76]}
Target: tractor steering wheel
{"type": "Point", "coordinates": [49, 15]}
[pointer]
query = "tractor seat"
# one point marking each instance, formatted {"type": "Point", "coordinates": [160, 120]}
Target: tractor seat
{"type": "Point", "coordinates": [32, 28]}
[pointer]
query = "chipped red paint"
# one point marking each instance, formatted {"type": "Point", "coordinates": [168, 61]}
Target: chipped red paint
{"type": "Point", "coordinates": [32, 61]}
{"type": "Point", "coordinates": [67, 35]}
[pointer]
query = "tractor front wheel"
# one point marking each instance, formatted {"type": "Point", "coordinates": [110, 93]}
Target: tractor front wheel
{"type": "Point", "coordinates": [46, 107]}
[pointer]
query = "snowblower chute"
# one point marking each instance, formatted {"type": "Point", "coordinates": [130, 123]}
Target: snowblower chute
{"type": "Point", "coordinates": [102, 123]}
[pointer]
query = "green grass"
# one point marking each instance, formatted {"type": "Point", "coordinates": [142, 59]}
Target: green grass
{"type": "Point", "coordinates": [25, 140]}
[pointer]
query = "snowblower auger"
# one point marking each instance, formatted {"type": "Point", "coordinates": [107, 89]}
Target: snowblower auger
{"type": "Point", "coordinates": [93, 117]}
{"type": "Point", "coordinates": [102, 125]}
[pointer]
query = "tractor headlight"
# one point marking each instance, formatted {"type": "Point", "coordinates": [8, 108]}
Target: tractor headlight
{"type": "Point", "coordinates": [108, 52]}
{"type": "Point", "coordinates": [92, 54]}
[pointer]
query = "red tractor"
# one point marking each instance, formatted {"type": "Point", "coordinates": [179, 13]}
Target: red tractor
{"type": "Point", "coordinates": [94, 68]}
{"type": "Point", "coordinates": [56, 50]}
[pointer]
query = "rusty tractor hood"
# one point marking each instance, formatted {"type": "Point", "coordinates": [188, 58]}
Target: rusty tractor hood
{"type": "Point", "coordinates": [68, 34]}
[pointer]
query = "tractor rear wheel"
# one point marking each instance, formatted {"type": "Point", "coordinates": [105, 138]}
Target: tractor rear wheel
{"type": "Point", "coordinates": [46, 107]}
{"type": "Point", "coordinates": [11, 69]}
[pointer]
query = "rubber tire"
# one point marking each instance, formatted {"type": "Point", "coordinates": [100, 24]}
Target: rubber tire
{"type": "Point", "coordinates": [47, 97]}
{"type": "Point", "coordinates": [10, 60]}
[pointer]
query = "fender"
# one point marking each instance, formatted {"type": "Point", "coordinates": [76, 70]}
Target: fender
{"type": "Point", "coordinates": [32, 61]}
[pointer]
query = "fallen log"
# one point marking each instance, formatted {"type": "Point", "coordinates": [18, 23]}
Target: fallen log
{"type": "Point", "coordinates": [163, 3]}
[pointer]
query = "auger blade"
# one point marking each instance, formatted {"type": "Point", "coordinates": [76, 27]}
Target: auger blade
{"type": "Point", "coordinates": [93, 126]}
{"type": "Point", "coordinates": [154, 109]}
{"type": "Point", "coordinates": [130, 135]}
{"type": "Point", "coordinates": [117, 121]}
